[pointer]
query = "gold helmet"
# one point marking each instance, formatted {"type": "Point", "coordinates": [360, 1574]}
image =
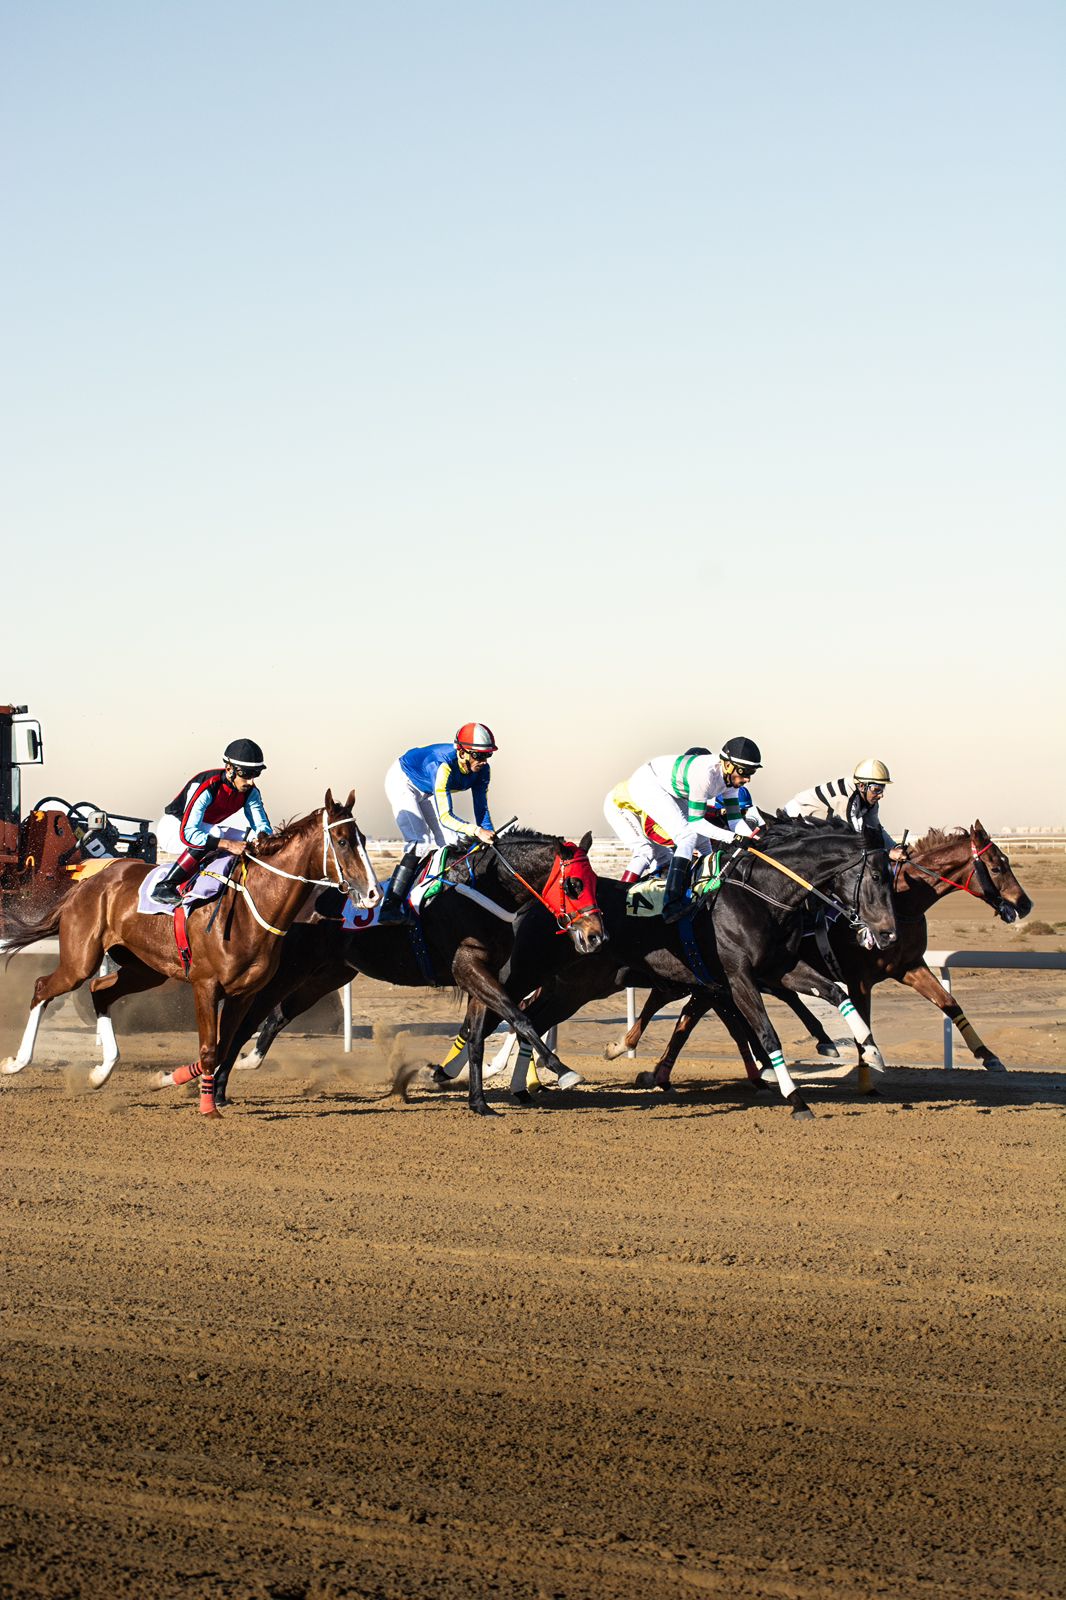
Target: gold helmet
{"type": "Point", "coordinates": [871, 771]}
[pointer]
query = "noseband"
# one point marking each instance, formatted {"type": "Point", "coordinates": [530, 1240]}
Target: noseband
{"type": "Point", "coordinates": [986, 890]}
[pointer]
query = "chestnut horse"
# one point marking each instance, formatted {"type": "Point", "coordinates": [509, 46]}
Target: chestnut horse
{"type": "Point", "coordinates": [937, 864]}
{"type": "Point", "coordinates": [230, 955]}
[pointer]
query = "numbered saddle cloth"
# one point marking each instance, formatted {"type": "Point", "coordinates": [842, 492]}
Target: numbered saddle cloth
{"type": "Point", "coordinates": [645, 898]}
{"type": "Point", "coordinates": [427, 886]}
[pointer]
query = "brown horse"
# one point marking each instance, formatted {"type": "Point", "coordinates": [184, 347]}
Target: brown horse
{"type": "Point", "coordinates": [937, 864]}
{"type": "Point", "coordinates": [231, 954]}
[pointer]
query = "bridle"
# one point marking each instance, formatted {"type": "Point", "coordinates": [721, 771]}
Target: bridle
{"type": "Point", "coordinates": [986, 890]}
{"type": "Point", "coordinates": [564, 918]}
{"type": "Point", "coordinates": [329, 853]}
{"type": "Point", "coordinates": [851, 915]}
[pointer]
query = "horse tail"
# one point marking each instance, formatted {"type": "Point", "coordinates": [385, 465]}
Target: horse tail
{"type": "Point", "coordinates": [22, 928]}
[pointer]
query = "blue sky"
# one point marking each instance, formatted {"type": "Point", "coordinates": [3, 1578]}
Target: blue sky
{"type": "Point", "coordinates": [627, 377]}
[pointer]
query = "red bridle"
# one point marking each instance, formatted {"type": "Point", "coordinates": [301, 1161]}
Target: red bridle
{"type": "Point", "coordinates": [565, 908]}
{"type": "Point", "coordinates": [955, 884]}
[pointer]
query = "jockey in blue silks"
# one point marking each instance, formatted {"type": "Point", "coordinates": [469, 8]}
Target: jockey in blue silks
{"type": "Point", "coordinates": [421, 786]}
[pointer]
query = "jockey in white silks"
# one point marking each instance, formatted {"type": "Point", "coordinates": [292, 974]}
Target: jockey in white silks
{"type": "Point", "coordinates": [855, 800]}
{"type": "Point", "coordinates": [673, 803]}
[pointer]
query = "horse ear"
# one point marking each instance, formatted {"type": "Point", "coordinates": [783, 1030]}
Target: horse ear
{"type": "Point", "coordinates": [584, 842]}
{"type": "Point", "coordinates": [328, 801]}
{"type": "Point", "coordinates": [349, 804]}
{"type": "Point", "coordinates": [979, 828]}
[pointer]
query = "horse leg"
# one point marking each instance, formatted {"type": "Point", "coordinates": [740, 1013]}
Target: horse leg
{"type": "Point", "coordinates": [928, 985]}
{"type": "Point", "coordinates": [806, 979]}
{"type": "Point", "coordinates": [75, 965]}
{"type": "Point", "coordinates": [208, 996]}
{"type": "Point", "coordinates": [657, 998]}
{"type": "Point", "coordinates": [749, 1003]}
{"type": "Point", "coordinates": [695, 1007]}
{"type": "Point", "coordinates": [822, 1042]}
{"type": "Point", "coordinates": [270, 1010]}
{"type": "Point", "coordinates": [130, 977]}
{"type": "Point", "coordinates": [475, 1022]}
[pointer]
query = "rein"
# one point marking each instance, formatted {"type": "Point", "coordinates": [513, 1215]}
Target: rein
{"type": "Point", "coordinates": [564, 919]}
{"type": "Point", "coordinates": [339, 882]}
{"type": "Point", "coordinates": [953, 882]}
{"type": "Point", "coordinates": [831, 900]}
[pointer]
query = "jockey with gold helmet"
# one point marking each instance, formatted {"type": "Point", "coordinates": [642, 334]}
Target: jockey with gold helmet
{"type": "Point", "coordinates": [420, 786]}
{"type": "Point", "coordinates": [191, 823]}
{"type": "Point", "coordinates": [855, 800]}
{"type": "Point", "coordinates": [677, 794]}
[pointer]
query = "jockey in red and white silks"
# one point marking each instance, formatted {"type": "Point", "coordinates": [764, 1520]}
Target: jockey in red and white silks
{"type": "Point", "coordinates": [191, 825]}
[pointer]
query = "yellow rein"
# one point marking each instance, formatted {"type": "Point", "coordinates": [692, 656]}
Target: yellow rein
{"type": "Point", "coordinates": [770, 861]}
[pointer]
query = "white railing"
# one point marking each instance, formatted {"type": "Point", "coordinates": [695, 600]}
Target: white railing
{"type": "Point", "coordinates": [940, 962]}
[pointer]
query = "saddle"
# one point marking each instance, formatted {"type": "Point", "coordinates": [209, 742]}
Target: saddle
{"type": "Point", "coordinates": [645, 897]}
{"type": "Point", "coordinates": [208, 884]}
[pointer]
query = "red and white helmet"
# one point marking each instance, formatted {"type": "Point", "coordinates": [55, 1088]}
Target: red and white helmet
{"type": "Point", "coordinates": [477, 738]}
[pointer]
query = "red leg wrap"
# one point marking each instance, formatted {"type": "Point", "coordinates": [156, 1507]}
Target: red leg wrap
{"type": "Point", "coordinates": [187, 1073]}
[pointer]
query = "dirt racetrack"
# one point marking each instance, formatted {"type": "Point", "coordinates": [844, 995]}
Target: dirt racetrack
{"type": "Point", "coordinates": [610, 1346]}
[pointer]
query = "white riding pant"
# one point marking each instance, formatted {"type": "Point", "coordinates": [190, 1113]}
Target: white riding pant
{"type": "Point", "coordinates": [645, 856]}
{"type": "Point", "coordinates": [671, 815]}
{"type": "Point", "coordinates": [168, 835]}
{"type": "Point", "coordinates": [415, 812]}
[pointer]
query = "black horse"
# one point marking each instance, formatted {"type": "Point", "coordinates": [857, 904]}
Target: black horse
{"type": "Point", "coordinates": [747, 938]}
{"type": "Point", "coordinates": [939, 863]}
{"type": "Point", "coordinates": [463, 936]}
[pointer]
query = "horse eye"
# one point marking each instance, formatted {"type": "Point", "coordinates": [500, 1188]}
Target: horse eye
{"type": "Point", "coordinates": [572, 888]}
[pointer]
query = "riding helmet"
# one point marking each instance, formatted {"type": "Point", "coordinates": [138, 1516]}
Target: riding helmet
{"type": "Point", "coordinates": [742, 753]}
{"type": "Point", "coordinates": [244, 753]}
{"type": "Point", "coordinates": [477, 738]}
{"type": "Point", "coordinates": [871, 771]}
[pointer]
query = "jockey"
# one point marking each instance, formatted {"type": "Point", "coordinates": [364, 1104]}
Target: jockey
{"type": "Point", "coordinates": [420, 786]}
{"type": "Point", "coordinates": [674, 802]}
{"type": "Point", "coordinates": [190, 823]}
{"type": "Point", "coordinates": [855, 799]}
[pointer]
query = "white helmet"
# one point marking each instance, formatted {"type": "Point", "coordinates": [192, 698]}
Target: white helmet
{"type": "Point", "coordinates": [871, 771]}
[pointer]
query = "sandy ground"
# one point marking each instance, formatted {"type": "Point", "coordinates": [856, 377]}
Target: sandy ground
{"type": "Point", "coordinates": [339, 1344]}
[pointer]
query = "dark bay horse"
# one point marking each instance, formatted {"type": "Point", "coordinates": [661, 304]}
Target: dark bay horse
{"type": "Point", "coordinates": [748, 937]}
{"type": "Point", "coordinates": [938, 864]}
{"type": "Point", "coordinates": [230, 955]}
{"type": "Point", "coordinates": [467, 940]}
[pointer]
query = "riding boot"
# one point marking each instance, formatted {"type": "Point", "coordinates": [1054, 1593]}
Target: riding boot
{"type": "Point", "coordinates": [675, 903]}
{"type": "Point", "coordinates": [168, 890]}
{"type": "Point", "coordinates": [392, 907]}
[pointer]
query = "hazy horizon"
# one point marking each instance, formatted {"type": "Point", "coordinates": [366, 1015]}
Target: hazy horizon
{"type": "Point", "coordinates": [626, 380]}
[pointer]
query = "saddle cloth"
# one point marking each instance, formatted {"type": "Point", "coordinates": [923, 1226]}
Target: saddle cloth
{"type": "Point", "coordinates": [427, 886]}
{"type": "Point", "coordinates": [645, 897]}
{"type": "Point", "coordinates": [201, 889]}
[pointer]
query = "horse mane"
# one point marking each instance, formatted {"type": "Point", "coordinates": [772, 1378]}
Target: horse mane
{"type": "Point", "coordinates": [527, 836]}
{"type": "Point", "coordinates": [264, 848]}
{"type": "Point", "coordinates": [936, 836]}
{"type": "Point", "coordinates": [803, 825]}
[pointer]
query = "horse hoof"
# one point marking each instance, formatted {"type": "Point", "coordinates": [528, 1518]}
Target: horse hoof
{"type": "Point", "coordinates": [100, 1073]}
{"type": "Point", "coordinates": [993, 1064]}
{"type": "Point", "coordinates": [440, 1078]}
{"type": "Point", "coordinates": [249, 1062]}
{"type": "Point", "coordinates": [872, 1058]}
{"type": "Point", "coordinates": [569, 1079]}
{"type": "Point", "coordinates": [667, 1091]}
{"type": "Point", "coordinates": [213, 1112]}
{"type": "Point", "coordinates": [829, 1051]}
{"type": "Point", "coordinates": [611, 1052]}
{"type": "Point", "coordinates": [644, 1080]}
{"type": "Point", "coordinates": [802, 1113]}
{"type": "Point", "coordinates": [522, 1097]}
{"type": "Point", "coordinates": [481, 1108]}
{"type": "Point", "coordinates": [11, 1064]}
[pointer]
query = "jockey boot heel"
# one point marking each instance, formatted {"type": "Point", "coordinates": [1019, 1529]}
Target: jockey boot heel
{"type": "Point", "coordinates": [675, 905]}
{"type": "Point", "coordinates": [392, 907]}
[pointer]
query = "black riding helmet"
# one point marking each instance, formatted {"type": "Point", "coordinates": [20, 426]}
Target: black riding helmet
{"type": "Point", "coordinates": [245, 754]}
{"type": "Point", "coordinates": [742, 752]}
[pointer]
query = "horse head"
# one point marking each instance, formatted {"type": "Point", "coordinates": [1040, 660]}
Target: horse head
{"type": "Point", "coordinates": [994, 878]}
{"type": "Point", "coordinates": [553, 871]}
{"type": "Point", "coordinates": [344, 852]}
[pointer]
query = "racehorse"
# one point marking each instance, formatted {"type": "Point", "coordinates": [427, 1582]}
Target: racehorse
{"type": "Point", "coordinates": [748, 935]}
{"type": "Point", "coordinates": [229, 956]}
{"type": "Point", "coordinates": [464, 936]}
{"type": "Point", "coordinates": [935, 865]}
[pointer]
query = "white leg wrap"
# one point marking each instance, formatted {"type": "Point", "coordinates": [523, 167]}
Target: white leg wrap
{"type": "Point", "coordinates": [249, 1061]}
{"type": "Point", "coordinates": [105, 1033]}
{"type": "Point", "coordinates": [523, 1061]}
{"type": "Point", "coordinates": [24, 1055]}
{"type": "Point", "coordinates": [499, 1060]}
{"type": "Point", "coordinates": [781, 1073]}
